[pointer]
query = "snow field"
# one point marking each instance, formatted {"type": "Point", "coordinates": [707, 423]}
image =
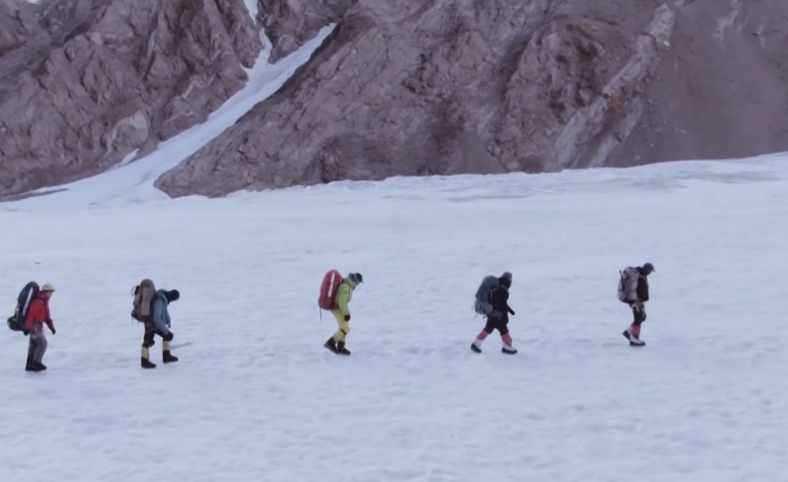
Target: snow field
{"type": "Point", "coordinates": [256, 397]}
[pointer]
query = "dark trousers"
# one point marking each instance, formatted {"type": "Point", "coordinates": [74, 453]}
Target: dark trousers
{"type": "Point", "coordinates": [497, 323]}
{"type": "Point", "coordinates": [36, 347]}
{"type": "Point", "coordinates": [638, 316]}
{"type": "Point", "coordinates": [150, 332]}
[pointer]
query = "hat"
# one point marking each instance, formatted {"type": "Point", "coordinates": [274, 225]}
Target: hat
{"type": "Point", "coordinates": [172, 295]}
{"type": "Point", "coordinates": [47, 287]}
{"type": "Point", "coordinates": [648, 268]}
{"type": "Point", "coordinates": [356, 278]}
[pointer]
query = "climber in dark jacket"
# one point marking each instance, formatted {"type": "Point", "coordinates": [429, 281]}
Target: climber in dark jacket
{"type": "Point", "coordinates": [499, 318]}
{"type": "Point", "coordinates": [633, 290]}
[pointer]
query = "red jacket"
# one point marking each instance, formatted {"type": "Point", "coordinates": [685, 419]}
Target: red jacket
{"type": "Point", "coordinates": [38, 314]}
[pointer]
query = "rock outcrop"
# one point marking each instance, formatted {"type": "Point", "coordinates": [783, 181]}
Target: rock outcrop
{"type": "Point", "coordinates": [721, 91]}
{"type": "Point", "coordinates": [399, 88]}
{"type": "Point", "coordinates": [291, 23]}
{"type": "Point", "coordinates": [18, 24]}
{"type": "Point", "coordinates": [465, 86]}
{"type": "Point", "coordinates": [84, 83]}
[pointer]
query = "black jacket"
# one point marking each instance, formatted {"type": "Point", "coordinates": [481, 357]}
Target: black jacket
{"type": "Point", "coordinates": [642, 287]}
{"type": "Point", "coordinates": [499, 297]}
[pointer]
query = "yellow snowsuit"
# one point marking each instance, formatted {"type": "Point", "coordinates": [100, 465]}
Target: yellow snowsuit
{"type": "Point", "coordinates": [344, 294]}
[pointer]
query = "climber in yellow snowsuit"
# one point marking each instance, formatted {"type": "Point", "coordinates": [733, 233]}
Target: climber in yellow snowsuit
{"type": "Point", "coordinates": [342, 313]}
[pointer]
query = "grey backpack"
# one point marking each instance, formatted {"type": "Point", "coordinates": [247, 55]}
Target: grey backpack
{"type": "Point", "coordinates": [481, 304]}
{"type": "Point", "coordinates": [624, 277]}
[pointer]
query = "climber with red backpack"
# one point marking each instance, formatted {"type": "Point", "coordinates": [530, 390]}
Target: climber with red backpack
{"type": "Point", "coordinates": [335, 295]}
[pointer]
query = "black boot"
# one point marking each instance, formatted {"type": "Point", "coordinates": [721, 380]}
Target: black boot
{"type": "Point", "coordinates": [331, 345]}
{"type": "Point", "coordinates": [145, 363]}
{"type": "Point", "coordinates": [41, 366]}
{"type": "Point", "coordinates": [31, 366]}
{"type": "Point", "coordinates": [168, 357]}
{"type": "Point", "coordinates": [341, 350]}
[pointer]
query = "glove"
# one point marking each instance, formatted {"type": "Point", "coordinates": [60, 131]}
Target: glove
{"type": "Point", "coordinates": [347, 317]}
{"type": "Point", "coordinates": [637, 306]}
{"type": "Point", "coordinates": [53, 330]}
{"type": "Point", "coordinates": [51, 325]}
{"type": "Point", "coordinates": [25, 332]}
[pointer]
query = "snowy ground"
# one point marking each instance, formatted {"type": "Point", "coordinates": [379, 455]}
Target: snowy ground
{"type": "Point", "coordinates": [255, 397]}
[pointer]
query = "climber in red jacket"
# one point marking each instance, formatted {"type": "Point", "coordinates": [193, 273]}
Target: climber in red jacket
{"type": "Point", "coordinates": [37, 316]}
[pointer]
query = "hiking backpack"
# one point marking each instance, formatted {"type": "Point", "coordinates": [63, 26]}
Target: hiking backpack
{"type": "Point", "coordinates": [622, 283]}
{"type": "Point", "coordinates": [481, 304]}
{"type": "Point", "coordinates": [328, 290]}
{"type": "Point", "coordinates": [17, 321]}
{"type": "Point", "coordinates": [144, 294]}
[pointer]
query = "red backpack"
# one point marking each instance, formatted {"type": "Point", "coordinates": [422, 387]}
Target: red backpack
{"type": "Point", "coordinates": [328, 290]}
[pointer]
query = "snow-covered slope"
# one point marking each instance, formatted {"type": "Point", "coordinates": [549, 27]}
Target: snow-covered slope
{"type": "Point", "coordinates": [256, 397]}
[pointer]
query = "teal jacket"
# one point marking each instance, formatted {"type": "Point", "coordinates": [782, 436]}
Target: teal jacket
{"type": "Point", "coordinates": [159, 312]}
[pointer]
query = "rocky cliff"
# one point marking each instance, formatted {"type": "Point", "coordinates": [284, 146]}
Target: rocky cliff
{"type": "Point", "coordinates": [469, 86]}
{"type": "Point", "coordinates": [401, 87]}
{"type": "Point", "coordinates": [83, 83]}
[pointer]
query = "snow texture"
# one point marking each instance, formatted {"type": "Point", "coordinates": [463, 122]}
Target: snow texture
{"type": "Point", "coordinates": [256, 397]}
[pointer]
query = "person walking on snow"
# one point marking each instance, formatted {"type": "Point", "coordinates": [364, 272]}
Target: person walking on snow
{"type": "Point", "coordinates": [633, 290]}
{"type": "Point", "coordinates": [159, 325]}
{"type": "Point", "coordinates": [345, 290]}
{"type": "Point", "coordinates": [498, 317]}
{"type": "Point", "coordinates": [37, 316]}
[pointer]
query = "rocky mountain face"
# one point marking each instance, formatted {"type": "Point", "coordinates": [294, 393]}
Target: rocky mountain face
{"type": "Point", "coordinates": [401, 87]}
{"type": "Point", "coordinates": [493, 86]}
{"type": "Point", "coordinates": [83, 83]}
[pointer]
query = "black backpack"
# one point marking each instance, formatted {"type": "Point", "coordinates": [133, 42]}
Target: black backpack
{"type": "Point", "coordinates": [17, 321]}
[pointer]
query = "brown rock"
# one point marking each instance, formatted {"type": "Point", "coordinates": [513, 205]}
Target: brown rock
{"type": "Point", "coordinates": [441, 88]}
{"type": "Point", "coordinates": [291, 23]}
{"type": "Point", "coordinates": [399, 88]}
{"type": "Point", "coordinates": [18, 23]}
{"type": "Point", "coordinates": [470, 86]}
{"type": "Point", "coordinates": [96, 80]}
{"type": "Point", "coordinates": [721, 90]}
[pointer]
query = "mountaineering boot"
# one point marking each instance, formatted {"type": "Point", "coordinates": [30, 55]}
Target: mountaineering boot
{"type": "Point", "coordinates": [633, 335]}
{"type": "Point", "coordinates": [166, 355]}
{"type": "Point", "coordinates": [331, 345]}
{"type": "Point", "coordinates": [476, 346]}
{"type": "Point", "coordinates": [41, 366]}
{"type": "Point", "coordinates": [507, 347]}
{"type": "Point", "coordinates": [31, 366]}
{"type": "Point", "coordinates": [477, 343]}
{"type": "Point", "coordinates": [341, 350]}
{"type": "Point", "coordinates": [145, 359]}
